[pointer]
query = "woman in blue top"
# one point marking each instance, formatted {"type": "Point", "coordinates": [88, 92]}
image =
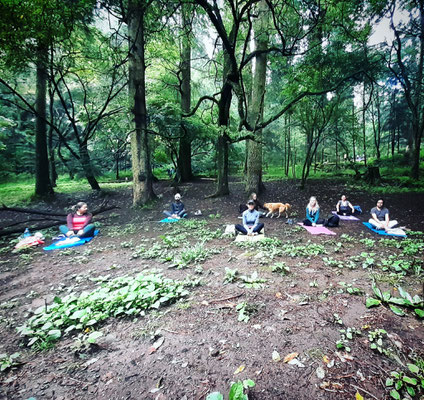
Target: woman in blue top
{"type": "Point", "coordinates": [251, 225]}
{"type": "Point", "coordinates": [312, 213]}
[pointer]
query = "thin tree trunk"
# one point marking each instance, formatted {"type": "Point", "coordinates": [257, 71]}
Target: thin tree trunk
{"type": "Point", "coordinates": [141, 167]}
{"type": "Point", "coordinates": [184, 154]}
{"type": "Point", "coordinates": [363, 126]}
{"type": "Point", "coordinates": [87, 166]}
{"type": "Point", "coordinates": [43, 186]}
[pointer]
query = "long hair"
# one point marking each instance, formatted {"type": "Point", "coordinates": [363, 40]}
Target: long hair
{"type": "Point", "coordinates": [77, 206]}
{"type": "Point", "coordinates": [309, 206]}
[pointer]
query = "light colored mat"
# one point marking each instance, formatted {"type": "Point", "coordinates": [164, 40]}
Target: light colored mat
{"type": "Point", "coordinates": [245, 238]}
{"type": "Point", "coordinates": [345, 217]}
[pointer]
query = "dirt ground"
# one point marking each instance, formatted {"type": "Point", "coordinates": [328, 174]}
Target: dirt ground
{"type": "Point", "coordinates": [204, 343]}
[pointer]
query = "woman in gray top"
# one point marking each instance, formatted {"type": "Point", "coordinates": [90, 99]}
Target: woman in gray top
{"type": "Point", "coordinates": [251, 225]}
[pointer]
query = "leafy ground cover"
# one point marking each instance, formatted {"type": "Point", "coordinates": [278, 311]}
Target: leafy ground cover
{"type": "Point", "coordinates": [176, 311]}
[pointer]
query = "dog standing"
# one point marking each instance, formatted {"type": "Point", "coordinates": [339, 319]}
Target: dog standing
{"type": "Point", "coordinates": [274, 207]}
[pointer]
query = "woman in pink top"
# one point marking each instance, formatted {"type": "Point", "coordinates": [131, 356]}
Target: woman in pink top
{"type": "Point", "coordinates": [78, 222]}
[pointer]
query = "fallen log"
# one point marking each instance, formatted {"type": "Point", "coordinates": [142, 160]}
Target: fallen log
{"type": "Point", "coordinates": [57, 222]}
{"type": "Point", "coordinates": [32, 211]}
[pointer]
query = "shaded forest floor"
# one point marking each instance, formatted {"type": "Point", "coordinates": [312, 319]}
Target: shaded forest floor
{"type": "Point", "coordinates": [313, 287]}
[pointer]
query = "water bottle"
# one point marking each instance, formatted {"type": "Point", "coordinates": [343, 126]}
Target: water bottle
{"type": "Point", "coordinates": [27, 233]}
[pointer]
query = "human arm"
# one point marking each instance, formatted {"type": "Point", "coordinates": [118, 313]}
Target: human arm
{"type": "Point", "coordinates": [338, 206]}
{"type": "Point", "coordinates": [351, 206]}
{"type": "Point", "coordinates": [69, 224]}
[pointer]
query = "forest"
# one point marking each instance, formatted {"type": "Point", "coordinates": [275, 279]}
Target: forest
{"type": "Point", "coordinates": [122, 104]}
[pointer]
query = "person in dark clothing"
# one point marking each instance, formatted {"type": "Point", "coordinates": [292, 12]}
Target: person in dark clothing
{"type": "Point", "coordinates": [177, 209]}
{"type": "Point", "coordinates": [258, 205]}
{"type": "Point", "coordinates": [251, 225]}
{"type": "Point", "coordinates": [312, 213]}
{"type": "Point", "coordinates": [78, 223]}
{"type": "Point", "coordinates": [344, 207]}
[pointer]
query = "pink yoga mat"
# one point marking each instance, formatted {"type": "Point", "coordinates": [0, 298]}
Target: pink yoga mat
{"type": "Point", "coordinates": [345, 217]}
{"type": "Point", "coordinates": [317, 230]}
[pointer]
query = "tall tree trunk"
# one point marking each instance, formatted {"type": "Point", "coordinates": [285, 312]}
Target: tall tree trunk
{"type": "Point", "coordinates": [364, 136]}
{"type": "Point", "coordinates": [43, 186]}
{"type": "Point", "coordinates": [141, 166]}
{"type": "Point", "coordinates": [254, 148]}
{"type": "Point", "coordinates": [52, 161]}
{"type": "Point", "coordinates": [184, 153]}
{"type": "Point", "coordinates": [87, 166]}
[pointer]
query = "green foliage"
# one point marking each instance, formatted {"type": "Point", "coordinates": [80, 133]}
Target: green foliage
{"type": "Point", "coordinates": [415, 303]}
{"type": "Point", "coordinates": [231, 275]}
{"type": "Point", "coordinates": [9, 361]}
{"type": "Point", "coordinates": [281, 268]}
{"type": "Point", "coordinates": [237, 391]}
{"type": "Point", "coordinates": [123, 296]}
{"type": "Point", "coordinates": [245, 311]}
{"type": "Point", "coordinates": [346, 335]}
{"type": "Point", "coordinates": [252, 281]}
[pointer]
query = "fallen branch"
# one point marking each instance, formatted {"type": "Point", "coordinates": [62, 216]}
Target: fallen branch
{"type": "Point", "coordinates": [365, 391]}
{"type": "Point", "coordinates": [32, 211]}
{"type": "Point", "coordinates": [227, 298]}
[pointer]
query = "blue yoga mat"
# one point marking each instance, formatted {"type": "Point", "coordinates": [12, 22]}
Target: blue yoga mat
{"type": "Point", "coordinates": [57, 245]}
{"type": "Point", "coordinates": [169, 220]}
{"type": "Point", "coordinates": [381, 231]}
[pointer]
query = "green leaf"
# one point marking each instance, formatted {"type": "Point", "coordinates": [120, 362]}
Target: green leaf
{"type": "Point", "coordinates": [236, 391]}
{"type": "Point", "coordinates": [389, 382]}
{"type": "Point", "coordinates": [410, 390]}
{"type": "Point", "coordinates": [215, 396]}
{"type": "Point", "coordinates": [93, 336]}
{"type": "Point", "coordinates": [405, 294]}
{"type": "Point", "coordinates": [371, 302]}
{"type": "Point", "coordinates": [386, 296]}
{"type": "Point", "coordinates": [413, 368]}
{"type": "Point", "coordinates": [248, 383]}
{"type": "Point", "coordinates": [419, 312]}
{"type": "Point", "coordinates": [377, 291]}
{"type": "Point", "coordinates": [54, 334]}
{"type": "Point", "coordinates": [397, 310]}
{"type": "Point", "coordinates": [395, 394]}
{"type": "Point", "coordinates": [411, 381]}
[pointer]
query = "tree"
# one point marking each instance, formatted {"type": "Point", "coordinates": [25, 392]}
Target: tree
{"type": "Point", "coordinates": [141, 165]}
{"type": "Point", "coordinates": [28, 29]}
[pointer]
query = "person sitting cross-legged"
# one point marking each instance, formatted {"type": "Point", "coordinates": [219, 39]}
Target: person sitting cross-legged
{"type": "Point", "coordinates": [381, 218]}
{"type": "Point", "coordinates": [251, 225]}
{"type": "Point", "coordinates": [177, 209]}
{"type": "Point", "coordinates": [78, 223]}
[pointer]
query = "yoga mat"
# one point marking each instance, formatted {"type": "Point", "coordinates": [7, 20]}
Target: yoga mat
{"type": "Point", "coordinates": [392, 232]}
{"type": "Point", "coordinates": [244, 238]}
{"type": "Point", "coordinates": [345, 217]}
{"type": "Point", "coordinates": [169, 220]}
{"type": "Point", "coordinates": [60, 245]}
{"type": "Point", "coordinates": [317, 230]}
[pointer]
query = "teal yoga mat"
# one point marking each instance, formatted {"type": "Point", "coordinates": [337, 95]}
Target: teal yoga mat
{"type": "Point", "coordinates": [381, 232]}
{"type": "Point", "coordinates": [57, 245]}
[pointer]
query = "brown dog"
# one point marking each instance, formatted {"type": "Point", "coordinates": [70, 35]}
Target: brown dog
{"type": "Point", "coordinates": [274, 207]}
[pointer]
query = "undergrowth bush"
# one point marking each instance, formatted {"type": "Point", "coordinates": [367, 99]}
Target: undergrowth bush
{"type": "Point", "coordinates": [122, 296]}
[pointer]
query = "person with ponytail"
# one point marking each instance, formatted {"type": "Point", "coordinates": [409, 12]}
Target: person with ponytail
{"type": "Point", "coordinates": [78, 222]}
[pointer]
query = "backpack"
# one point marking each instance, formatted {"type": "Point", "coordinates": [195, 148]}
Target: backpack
{"type": "Point", "coordinates": [332, 221]}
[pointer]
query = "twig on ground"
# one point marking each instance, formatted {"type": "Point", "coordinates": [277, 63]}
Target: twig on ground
{"type": "Point", "coordinates": [365, 391]}
{"type": "Point", "coordinates": [227, 298]}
